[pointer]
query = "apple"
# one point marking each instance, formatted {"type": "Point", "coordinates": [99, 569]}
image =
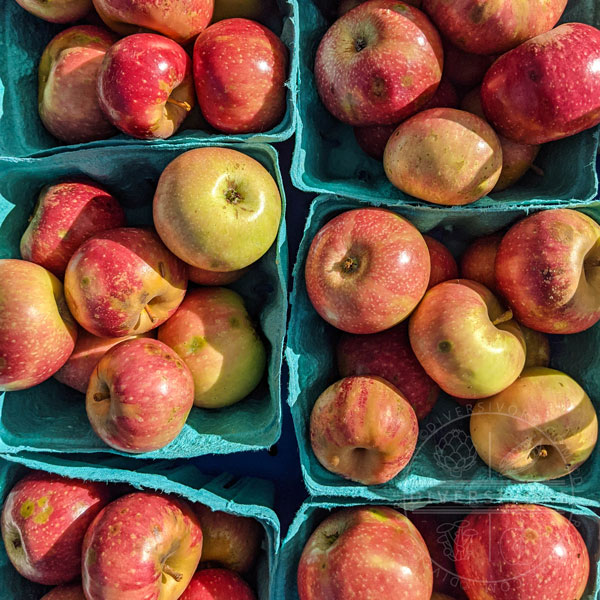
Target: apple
{"type": "Point", "coordinates": [228, 540]}
{"type": "Point", "coordinates": [548, 267]}
{"type": "Point", "coordinates": [477, 262]}
{"type": "Point", "coordinates": [541, 427]}
{"type": "Point", "coordinates": [180, 20]}
{"type": "Point", "coordinates": [217, 209]}
{"type": "Point", "coordinates": [37, 331]}
{"type": "Point", "coordinates": [65, 216]}
{"type": "Point", "coordinates": [44, 519]}
{"type": "Point", "coordinates": [246, 9]}
{"type": "Point", "coordinates": [347, 5]}
{"type": "Point", "coordinates": [145, 86]}
{"type": "Point", "coordinates": [443, 265]}
{"type": "Point", "coordinates": [365, 552]}
{"type": "Point", "coordinates": [493, 27]}
{"type": "Point", "coordinates": [214, 335]}
{"type": "Point", "coordinates": [88, 351]}
{"type": "Point", "coordinates": [205, 277]}
{"type": "Point", "coordinates": [378, 64]}
{"type": "Point", "coordinates": [444, 156]}
{"type": "Point", "coordinates": [521, 552]}
{"type": "Point", "coordinates": [142, 545]}
{"type": "Point", "coordinates": [538, 348]}
{"type": "Point", "coordinates": [362, 428]}
{"type": "Point", "coordinates": [67, 79]}
{"type": "Point", "coordinates": [218, 584]}
{"type": "Point", "coordinates": [548, 88]}
{"type": "Point", "coordinates": [57, 11]}
{"type": "Point", "coordinates": [123, 282]}
{"type": "Point", "coordinates": [466, 341]}
{"type": "Point", "coordinates": [139, 396]}
{"type": "Point", "coordinates": [240, 70]}
{"type": "Point", "coordinates": [436, 596]}
{"type": "Point", "coordinates": [388, 355]}
{"type": "Point", "coordinates": [73, 591]}
{"type": "Point", "coordinates": [366, 270]}
{"type": "Point", "coordinates": [463, 68]}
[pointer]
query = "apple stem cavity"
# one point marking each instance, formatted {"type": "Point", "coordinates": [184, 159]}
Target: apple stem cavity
{"type": "Point", "coordinates": [507, 315]}
{"type": "Point", "coordinates": [185, 105]}
{"type": "Point", "coordinates": [360, 44]}
{"type": "Point", "coordinates": [101, 396]}
{"type": "Point", "coordinates": [176, 575]}
{"type": "Point", "coordinates": [349, 265]}
{"type": "Point", "coordinates": [539, 452]}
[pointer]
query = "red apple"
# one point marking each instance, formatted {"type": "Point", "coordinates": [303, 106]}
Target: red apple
{"type": "Point", "coordinates": [347, 5]}
{"type": "Point", "coordinates": [65, 216]}
{"type": "Point", "coordinates": [477, 262]}
{"type": "Point", "coordinates": [67, 82]}
{"type": "Point", "coordinates": [73, 591]}
{"type": "Point", "coordinates": [180, 20]}
{"type": "Point", "coordinates": [464, 69]}
{"type": "Point", "coordinates": [538, 348]}
{"type": "Point", "coordinates": [44, 519]}
{"type": "Point", "coordinates": [141, 546]}
{"type": "Point", "coordinates": [139, 396]}
{"type": "Point", "coordinates": [37, 331]}
{"type": "Point", "coordinates": [444, 156]}
{"type": "Point", "coordinates": [541, 427]}
{"type": "Point", "coordinates": [548, 88]}
{"type": "Point", "coordinates": [145, 86]}
{"type": "Point", "coordinates": [443, 265]}
{"type": "Point", "coordinates": [547, 268]}
{"type": "Point", "coordinates": [88, 351]}
{"type": "Point", "coordinates": [521, 552]}
{"type": "Point", "coordinates": [205, 277]}
{"type": "Point", "coordinates": [57, 11]}
{"type": "Point", "coordinates": [363, 429]}
{"type": "Point", "coordinates": [366, 552]}
{"type": "Point", "coordinates": [366, 270]}
{"type": "Point", "coordinates": [493, 27]}
{"type": "Point", "coordinates": [388, 355]}
{"type": "Point", "coordinates": [228, 540]}
{"type": "Point", "coordinates": [240, 70]}
{"type": "Point", "coordinates": [378, 64]}
{"type": "Point", "coordinates": [466, 341]}
{"type": "Point", "coordinates": [124, 281]}
{"type": "Point", "coordinates": [218, 584]}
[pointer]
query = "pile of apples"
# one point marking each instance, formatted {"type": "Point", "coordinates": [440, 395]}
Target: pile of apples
{"type": "Point", "coordinates": [412, 328]}
{"type": "Point", "coordinates": [216, 212]}
{"type": "Point", "coordinates": [494, 553]}
{"type": "Point", "coordinates": [92, 83]}
{"type": "Point", "coordinates": [398, 72]}
{"type": "Point", "coordinates": [93, 543]}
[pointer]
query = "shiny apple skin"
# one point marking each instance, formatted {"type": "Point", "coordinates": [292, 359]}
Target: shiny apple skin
{"type": "Point", "coordinates": [521, 552]}
{"type": "Point", "coordinates": [37, 331]}
{"type": "Point", "coordinates": [368, 552]}
{"type": "Point", "coordinates": [539, 266]}
{"type": "Point", "coordinates": [44, 519]}
{"type": "Point", "coordinates": [366, 270]}
{"type": "Point", "coordinates": [218, 584]}
{"type": "Point", "coordinates": [443, 265]}
{"type": "Point", "coordinates": [477, 262]}
{"type": "Point", "coordinates": [240, 70]}
{"type": "Point", "coordinates": [544, 410]}
{"type": "Point", "coordinates": [548, 88]}
{"type": "Point", "coordinates": [394, 73]}
{"type": "Point", "coordinates": [65, 592]}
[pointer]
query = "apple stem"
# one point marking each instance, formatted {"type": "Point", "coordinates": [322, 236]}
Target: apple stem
{"type": "Point", "coordinates": [537, 170]}
{"type": "Point", "coordinates": [507, 315]}
{"type": "Point", "coordinates": [185, 105]}
{"type": "Point", "coordinates": [176, 575]}
{"type": "Point", "coordinates": [101, 396]}
{"type": "Point", "coordinates": [152, 317]}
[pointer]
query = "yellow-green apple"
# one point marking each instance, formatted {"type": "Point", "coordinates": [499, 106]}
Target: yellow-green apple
{"type": "Point", "coordinates": [240, 70]}
{"type": "Point", "coordinates": [463, 68]}
{"type": "Point", "coordinates": [379, 63]}
{"type": "Point", "coordinates": [57, 11]}
{"type": "Point", "coordinates": [362, 428]}
{"type": "Point", "coordinates": [124, 281]}
{"type": "Point", "coordinates": [547, 88]}
{"type": "Point", "coordinates": [365, 552]}
{"type": "Point", "coordinates": [246, 9]}
{"type": "Point", "coordinates": [477, 262]}
{"type": "Point", "coordinates": [493, 27]}
{"type": "Point", "coordinates": [444, 156]}
{"type": "Point", "coordinates": [44, 519]}
{"type": "Point", "coordinates": [366, 270]}
{"type": "Point", "coordinates": [388, 355]}
{"type": "Point", "coordinates": [541, 427]}
{"type": "Point", "coordinates": [516, 158]}
{"type": "Point", "coordinates": [217, 208]}
{"type": "Point", "coordinates": [548, 268]}
{"type": "Point", "coordinates": [443, 265]}
{"type": "Point", "coordinates": [37, 331]}
{"type": "Point", "coordinates": [67, 81]}
{"type": "Point", "coordinates": [538, 348]}
{"type": "Point", "coordinates": [141, 546]}
{"type": "Point", "coordinates": [73, 591]}
{"type": "Point", "coordinates": [218, 584]}
{"type": "Point", "coordinates": [466, 340]}
{"type": "Point", "coordinates": [205, 277]}
{"type": "Point", "coordinates": [181, 20]}
{"type": "Point", "coordinates": [145, 86]}
{"type": "Point", "coordinates": [521, 552]}
{"type": "Point", "coordinates": [88, 351]}
{"type": "Point", "coordinates": [65, 216]}
{"type": "Point", "coordinates": [212, 332]}
{"type": "Point", "coordinates": [139, 396]}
